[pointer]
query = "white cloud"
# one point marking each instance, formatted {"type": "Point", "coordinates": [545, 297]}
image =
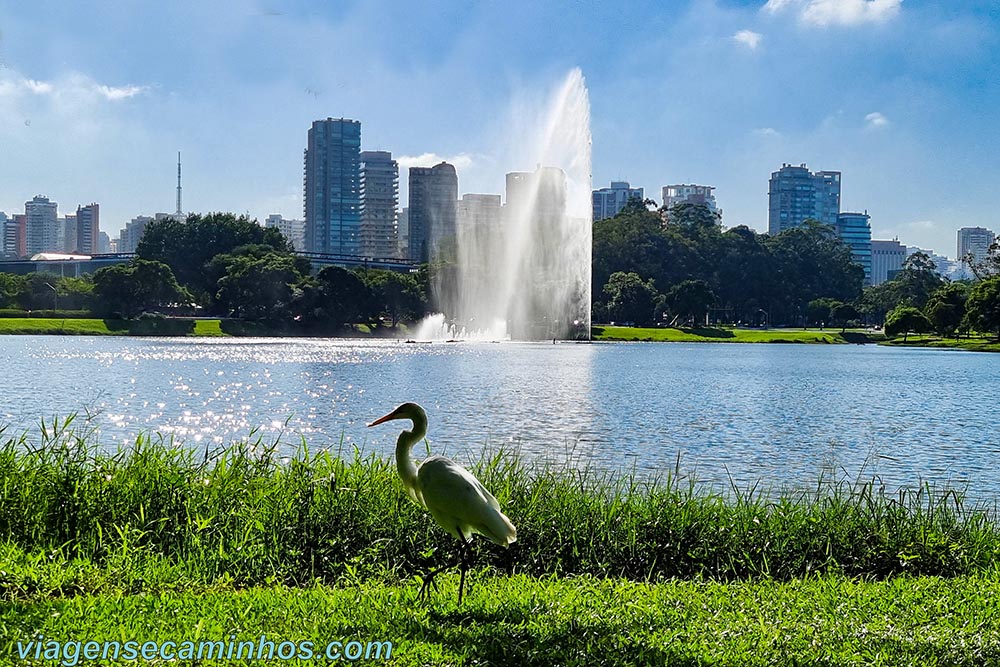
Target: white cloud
{"type": "Point", "coordinates": [766, 132]}
{"type": "Point", "coordinates": [460, 161]}
{"type": "Point", "coordinates": [71, 86]}
{"type": "Point", "coordinates": [37, 87]}
{"type": "Point", "coordinates": [876, 119]}
{"type": "Point", "coordinates": [837, 12]}
{"type": "Point", "coordinates": [748, 37]}
{"type": "Point", "coordinates": [120, 92]}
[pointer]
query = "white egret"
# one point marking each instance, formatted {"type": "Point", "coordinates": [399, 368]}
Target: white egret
{"type": "Point", "coordinates": [455, 498]}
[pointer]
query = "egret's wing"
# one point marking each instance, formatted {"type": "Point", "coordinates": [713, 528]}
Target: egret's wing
{"type": "Point", "coordinates": [460, 503]}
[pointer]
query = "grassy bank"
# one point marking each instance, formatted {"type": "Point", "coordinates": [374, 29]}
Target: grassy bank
{"type": "Point", "coordinates": [726, 335]}
{"type": "Point", "coordinates": [159, 542]}
{"type": "Point", "coordinates": [974, 344]}
{"type": "Point", "coordinates": [522, 620]}
{"type": "Point", "coordinates": [248, 514]}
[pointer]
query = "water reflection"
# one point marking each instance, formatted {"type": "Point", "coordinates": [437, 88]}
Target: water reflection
{"type": "Point", "coordinates": [778, 415]}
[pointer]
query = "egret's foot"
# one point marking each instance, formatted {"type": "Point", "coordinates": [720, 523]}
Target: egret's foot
{"type": "Point", "coordinates": [429, 582]}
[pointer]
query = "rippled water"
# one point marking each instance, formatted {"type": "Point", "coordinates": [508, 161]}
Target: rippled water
{"type": "Point", "coordinates": [775, 414]}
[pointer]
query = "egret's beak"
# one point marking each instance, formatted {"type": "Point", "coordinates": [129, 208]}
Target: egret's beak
{"type": "Point", "coordinates": [388, 417]}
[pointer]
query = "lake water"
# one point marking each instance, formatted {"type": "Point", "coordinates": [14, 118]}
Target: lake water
{"type": "Point", "coordinates": [780, 415]}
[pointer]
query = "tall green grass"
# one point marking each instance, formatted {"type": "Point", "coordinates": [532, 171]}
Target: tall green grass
{"type": "Point", "coordinates": [73, 516]}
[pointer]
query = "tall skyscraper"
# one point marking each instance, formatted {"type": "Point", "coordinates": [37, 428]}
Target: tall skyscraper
{"type": "Point", "coordinates": [42, 230]}
{"type": "Point", "coordinates": [855, 230]}
{"type": "Point", "coordinates": [332, 184]}
{"type": "Point", "coordinates": [88, 228]}
{"type": "Point", "coordinates": [608, 202]}
{"type": "Point", "coordinates": [432, 211]}
{"type": "Point", "coordinates": [379, 202]}
{"type": "Point", "coordinates": [887, 260]}
{"type": "Point", "coordinates": [795, 194]}
{"type": "Point", "coordinates": [975, 241]}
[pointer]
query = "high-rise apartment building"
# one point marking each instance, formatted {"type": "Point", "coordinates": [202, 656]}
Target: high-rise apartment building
{"type": "Point", "coordinates": [403, 234]}
{"type": "Point", "coordinates": [432, 211]}
{"type": "Point", "coordinates": [88, 229]}
{"type": "Point", "coordinates": [855, 230]}
{"type": "Point", "coordinates": [43, 232]}
{"type": "Point", "coordinates": [796, 194]}
{"type": "Point", "coordinates": [293, 230]}
{"type": "Point", "coordinates": [975, 241]}
{"type": "Point", "coordinates": [690, 194]}
{"type": "Point", "coordinates": [379, 203]}
{"type": "Point", "coordinates": [887, 260]}
{"type": "Point", "coordinates": [608, 202]}
{"type": "Point", "coordinates": [332, 185]}
{"type": "Point", "coordinates": [68, 230]}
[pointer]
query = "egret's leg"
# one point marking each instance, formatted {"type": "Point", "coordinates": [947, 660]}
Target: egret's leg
{"type": "Point", "coordinates": [466, 551]}
{"type": "Point", "coordinates": [429, 579]}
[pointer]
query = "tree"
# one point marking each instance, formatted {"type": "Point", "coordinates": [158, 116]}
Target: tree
{"type": "Point", "coordinates": [11, 286]}
{"type": "Point", "coordinates": [629, 298]}
{"type": "Point", "coordinates": [396, 295]}
{"type": "Point", "coordinates": [842, 313]}
{"type": "Point", "coordinates": [946, 308]}
{"type": "Point", "coordinates": [906, 319]}
{"type": "Point", "coordinates": [258, 288]}
{"type": "Point", "coordinates": [188, 246]}
{"type": "Point", "coordinates": [690, 300]}
{"type": "Point", "coordinates": [918, 279]}
{"type": "Point", "coordinates": [141, 285]}
{"type": "Point", "coordinates": [811, 262]}
{"type": "Point", "coordinates": [819, 311]}
{"type": "Point", "coordinates": [983, 305]}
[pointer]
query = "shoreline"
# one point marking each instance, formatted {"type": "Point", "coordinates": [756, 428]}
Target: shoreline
{"type": "Point", "coordinates": [212, 328]}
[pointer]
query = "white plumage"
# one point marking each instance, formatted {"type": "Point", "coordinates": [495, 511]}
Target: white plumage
{"type": "Point", "coordinates": [457, 500]}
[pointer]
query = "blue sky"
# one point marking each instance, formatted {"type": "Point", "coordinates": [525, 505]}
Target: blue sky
{"type": "Point", "coordinates": [902, 96]}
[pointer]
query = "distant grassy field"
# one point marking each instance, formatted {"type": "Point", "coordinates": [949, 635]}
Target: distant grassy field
{"type": "Point", "coordinates": [724, 335]}
{"type": "Point", "coordinates": [43, 325]}
{"type": "Point", "coordinates": [87, 327]}
{"type": "Point", "coordinates": [975, 344]}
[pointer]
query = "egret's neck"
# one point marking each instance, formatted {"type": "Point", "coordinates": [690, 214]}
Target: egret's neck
{"type": "Point", "coordinates": [404, 464]}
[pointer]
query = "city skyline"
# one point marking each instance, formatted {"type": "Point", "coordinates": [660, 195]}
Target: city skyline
{"type": "Point", "coordinates": [701, 92]}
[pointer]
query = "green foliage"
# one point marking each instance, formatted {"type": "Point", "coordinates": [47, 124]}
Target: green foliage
{"type": "Point", "coordinates": [252, 515]}
{"type": "Point", "coordinates": [258, 287]}
{"type": "Point", "coordinates": [904, 320]}
{"type": "Point", "coordinates": [629, 298]}
{"type": "Point", "coordinates": [690, 300]}
{"type": "Point", "coordinates": [187, 247]}
{"type": "Point", "coordinates": [527, 621]}
{"type": "Point", "coordinates": [10, 287]}
{"type": "Point", "coordinates": [983, 305]}
{"type": "Point", "coordinates": [747, 272]}
{"type": "Point", "coordinates": [946, 308]}
{"type": "Point", "coordinates": [819, 311]}
{"type": "Point", "coordinates": [138, 286]}
{"type": "Point", "coordinates": [842, 313]}
{"type": "Point", "coordinates": [393, 295]}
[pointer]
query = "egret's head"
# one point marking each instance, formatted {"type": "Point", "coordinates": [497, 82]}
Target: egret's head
{"type": "Point", "coordinates": [410, 411]}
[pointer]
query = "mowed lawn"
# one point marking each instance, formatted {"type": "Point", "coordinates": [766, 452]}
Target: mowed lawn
{"type": "Point", "coordinates": [723, 335]}
{"type": "Point", "coordinates": [519, 620]}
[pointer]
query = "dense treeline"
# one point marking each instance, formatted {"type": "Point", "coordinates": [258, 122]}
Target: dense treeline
{"type": "Point", "coordinates": [675, 266]}
{"type": "Point", "coordinates": [679, 266]}
{"type": "Point", "coordinates": [231, 267]}
{"type": "Point", "coordinates": [687, 266]}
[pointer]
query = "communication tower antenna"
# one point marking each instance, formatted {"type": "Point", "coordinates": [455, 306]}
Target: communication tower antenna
{"type": "Point", "coordinates": [179, 213]}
